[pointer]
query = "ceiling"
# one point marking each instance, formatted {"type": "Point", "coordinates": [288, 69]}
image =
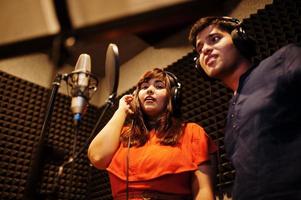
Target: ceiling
{"type": "Point", "coordinates": [132, 32]}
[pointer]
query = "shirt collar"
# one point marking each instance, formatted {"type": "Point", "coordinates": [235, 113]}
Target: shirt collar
{"type": "Point", "coordinates": [243, 77]}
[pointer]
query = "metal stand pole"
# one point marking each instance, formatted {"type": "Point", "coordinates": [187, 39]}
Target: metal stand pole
{"type": "Point", "coordinates": [74, 156]}
{"type": "Point", "coordinates": [37, 161]}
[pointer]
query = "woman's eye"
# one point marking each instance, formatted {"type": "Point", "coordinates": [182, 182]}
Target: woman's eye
{"type": "Point", "coordinates": [160, 85]}
{"type": "Point", "coordinates": [144, 86]}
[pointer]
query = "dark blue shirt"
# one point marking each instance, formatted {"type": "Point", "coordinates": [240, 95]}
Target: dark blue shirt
{"type": "Point", "coordinates": [263, 132]}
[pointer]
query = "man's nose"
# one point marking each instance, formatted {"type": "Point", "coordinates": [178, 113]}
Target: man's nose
{"type": "Point", "coordinates": [206, 49]}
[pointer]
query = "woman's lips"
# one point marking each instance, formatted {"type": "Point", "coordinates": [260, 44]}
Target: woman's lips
{"type": "Point", "coordinates": [149, 99]}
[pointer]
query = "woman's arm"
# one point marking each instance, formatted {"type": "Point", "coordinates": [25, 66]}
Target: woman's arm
{"type": "Point", "coordinates": [202, 187]}
{"type": "Point", "coordinates": [106, 142]}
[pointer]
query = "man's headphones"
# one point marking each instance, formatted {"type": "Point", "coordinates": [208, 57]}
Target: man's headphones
{"type": "Point", "coordinates": [242, 41]}
{"type": "Point", "coordinates": [175, 93]}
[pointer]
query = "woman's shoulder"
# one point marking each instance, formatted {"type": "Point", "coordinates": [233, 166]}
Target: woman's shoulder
{"type": "Point", "coordinates": [200, 139]}
{"type": "Point", "coordinates": [194, 130]}
{"type": "Point", "coordinates": [192, 125]}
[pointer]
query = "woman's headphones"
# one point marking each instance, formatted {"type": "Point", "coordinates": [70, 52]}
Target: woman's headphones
{"type": "Point", "coordinates": [175, 93]}
{"type": "Point", "coordinates": [242, 41]}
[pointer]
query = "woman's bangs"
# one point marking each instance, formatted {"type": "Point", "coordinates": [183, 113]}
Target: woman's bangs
{"type": "Point", "coordinates": [151, 75]}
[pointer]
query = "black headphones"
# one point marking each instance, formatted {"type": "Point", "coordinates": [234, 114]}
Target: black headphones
{"type": "Point", "coordinates": [242, 41]}
{"type": "Point", "coordinates": [175, 93]}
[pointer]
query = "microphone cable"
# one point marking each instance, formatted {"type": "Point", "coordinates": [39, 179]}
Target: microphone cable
{"type": "Point", "coordinates": [76, 130]}
{"type": "Point", "coordinates": [127, 167]}
{"type": "Point", "coordinates": [75, 155]}
{"type": "Point", "coordinates": [71, 160]}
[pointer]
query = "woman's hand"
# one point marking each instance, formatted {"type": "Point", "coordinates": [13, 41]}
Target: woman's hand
{"type": "Point", "coordinates": [125, 104]}
{"type": "Point", "coordinates": [104, 145]}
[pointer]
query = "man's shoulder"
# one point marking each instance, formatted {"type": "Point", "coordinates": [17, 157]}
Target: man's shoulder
{"type": "Point", "coordinates": [290, 52]}
{"type": "Point", "coordinates": [284, 52]}
{"type": "Point", "coordinates": [291, 48]}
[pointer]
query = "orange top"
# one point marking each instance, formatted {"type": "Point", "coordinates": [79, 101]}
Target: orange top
{"type": "Point", "coordinates": [158, 167]}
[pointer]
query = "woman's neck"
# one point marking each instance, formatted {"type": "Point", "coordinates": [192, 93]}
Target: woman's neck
{"type": "Point", "coordinates": [152, 124]}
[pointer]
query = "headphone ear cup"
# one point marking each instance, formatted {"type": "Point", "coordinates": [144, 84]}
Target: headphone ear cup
{"type": "Point", "coordinates": [244, 43]}
{"type": "Point", "coordinates": [176, 100]}
{"type": "Point", "coordinates": [200, 70]}
{"type": "Point", "coordinates": [173, 96]}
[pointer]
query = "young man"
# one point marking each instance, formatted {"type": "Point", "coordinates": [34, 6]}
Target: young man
{"type": "Point", "coordinates": [263, 131]}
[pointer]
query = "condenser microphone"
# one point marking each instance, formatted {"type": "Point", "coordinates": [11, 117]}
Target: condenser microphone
{"type": "Point", "coordinates": [83, 84]}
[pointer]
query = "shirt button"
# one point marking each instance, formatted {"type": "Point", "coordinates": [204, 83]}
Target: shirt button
{"type": "Point", "coordinates": [233, 103]}
{"type": "Point", "coordinates": [232, 115]}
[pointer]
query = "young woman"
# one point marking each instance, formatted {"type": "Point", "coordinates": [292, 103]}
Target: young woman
{"type": "Point", "coordinates": [155, 156]}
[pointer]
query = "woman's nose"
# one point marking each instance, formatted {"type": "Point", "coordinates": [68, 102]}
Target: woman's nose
{"type": "Point", "coordinates": [150, 90]}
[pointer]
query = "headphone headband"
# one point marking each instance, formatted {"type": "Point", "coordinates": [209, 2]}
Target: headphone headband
{"type": "Point", "coordinates": [177, 83]}
{"type": "Point", "coordinates": [230, 19]}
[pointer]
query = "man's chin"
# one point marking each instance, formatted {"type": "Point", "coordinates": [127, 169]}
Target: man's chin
{"type": "Point", "coordinates": [213, 73]}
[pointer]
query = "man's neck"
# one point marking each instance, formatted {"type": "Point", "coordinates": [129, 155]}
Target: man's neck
{"type": "Point", "coordinates": [232, 80]}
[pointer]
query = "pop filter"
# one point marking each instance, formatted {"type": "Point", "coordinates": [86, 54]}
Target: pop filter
{"type": "Point", "coordinates": [112, 69]}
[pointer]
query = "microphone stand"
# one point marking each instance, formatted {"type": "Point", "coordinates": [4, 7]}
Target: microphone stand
{"type": "Point", "coordinates": [39, 153]}
{"type": "Point", "coordinates": [73, 157]}
{"type": "Point", "coordinates": [109, 103]}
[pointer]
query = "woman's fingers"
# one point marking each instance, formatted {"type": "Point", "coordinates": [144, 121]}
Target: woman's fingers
{"type": "Point", "coordinates": [125, 102]}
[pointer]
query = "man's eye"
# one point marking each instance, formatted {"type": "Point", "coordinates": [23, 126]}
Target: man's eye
{"type": "Point", "coordinates": [215, 38]}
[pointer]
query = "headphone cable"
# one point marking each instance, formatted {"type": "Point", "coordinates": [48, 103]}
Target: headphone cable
{"type": "Point", "coordinates": [127, 168]}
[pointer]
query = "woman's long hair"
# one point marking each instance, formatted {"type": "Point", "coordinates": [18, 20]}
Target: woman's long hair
{"type": "Point", "coordinates": [168, 127]}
